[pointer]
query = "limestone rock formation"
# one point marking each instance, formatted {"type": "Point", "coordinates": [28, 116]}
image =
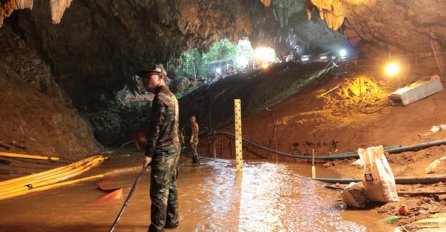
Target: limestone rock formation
{"type": "Point", "coordinates": [180, 85]}
{"type": "Point", "coordinates": [36, 121]}
{"type": "Point", "coordinates": [100, 44]}
{"type": "Point", "coordinates": [30, 67]}
{"type": "Point", "coordinates": [117, 123]}
{"type": "Point", "coordinates": [9, 6]}
{"type": "Point", "coordinates": [396, 26]}
{"type": "Point", "coordinates": [379, 27]}
{"type": "Point", "coordinates": [332, 11]}
{"type": "Point", "coordinates": [58, 8]}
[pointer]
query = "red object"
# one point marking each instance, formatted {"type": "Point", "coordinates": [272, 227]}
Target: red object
{"type": "Point", "coordinates": [117, 194]}
{"type": "Point", "coordinates": [108, 185]}
{"type": "Point", "coordinates": [402, 210]}
{"type": "Point", "coordinates": [140, 140]}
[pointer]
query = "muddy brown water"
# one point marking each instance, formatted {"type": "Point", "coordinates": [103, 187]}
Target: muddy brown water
{"type": "Point", "coordinates": [212, 197]}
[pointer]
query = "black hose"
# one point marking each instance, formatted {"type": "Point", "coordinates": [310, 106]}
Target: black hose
{"type": "Point", "coordinates": [126, 202]}
{"type": "Point", "coordinates": [347, 155]}
{"type": "Point", "coordinates": [398, 180]}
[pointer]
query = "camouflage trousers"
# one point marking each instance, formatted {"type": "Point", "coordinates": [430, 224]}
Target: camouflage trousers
{"type": "Point", "coordinates": [163, 191]}
{"type": "Point", "coordinates": [193, 147]}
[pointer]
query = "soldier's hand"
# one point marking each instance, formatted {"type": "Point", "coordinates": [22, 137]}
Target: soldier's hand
{"type": "Point", "coordinates": [146, 162]}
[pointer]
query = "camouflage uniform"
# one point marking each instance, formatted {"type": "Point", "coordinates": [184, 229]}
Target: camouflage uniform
{"type": "Point", "coordinates": [194, 143]}
{"type": "Point", "coordinates": [163, 146]}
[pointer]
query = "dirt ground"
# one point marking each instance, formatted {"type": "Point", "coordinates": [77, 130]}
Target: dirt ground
{"type": "Point", "coordinates": [305, 122]}
{"type": "Point", "coordinates": [39, 126]}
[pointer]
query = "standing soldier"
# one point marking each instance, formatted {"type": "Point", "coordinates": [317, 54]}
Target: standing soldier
{"type": "Point", "coordinates": [162, 150]}
{"type": "Point", "coordinates": [194, 139]}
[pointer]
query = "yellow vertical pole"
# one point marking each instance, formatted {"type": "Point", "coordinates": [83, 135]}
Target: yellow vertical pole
{"type": "Point", "coordinates": [313, 168]}
{"type": "Point", "coordinates": [238, 134]}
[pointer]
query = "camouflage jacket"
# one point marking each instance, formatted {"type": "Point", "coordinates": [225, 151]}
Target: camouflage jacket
{"type": "Point", "coordinates": [195, 130]}
{"type": "Point", "coordinates": [162, 134]}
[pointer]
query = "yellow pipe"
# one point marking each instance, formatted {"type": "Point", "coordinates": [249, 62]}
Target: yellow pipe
{"type": "Point", "coordinates": [238, 135]}
{"type": "Point", "coordinates": [46, 173]}
{"type": "Point", "coordinates": [27, 156]}
{"type": "Point", "coordinates": [51, 186]}
{"type": "Point", "coordinates": [20, 190]}
{"type": "Point", "coordinates": [23, 189]}
{"type": "Point", "coordinates": [18, 186]}
{"type": "Point", "coordinates": [22, 186]}
{"type": "Point", "coordinates": [43, 175]}
{"type": "Point", "coordinates": [52, 178]}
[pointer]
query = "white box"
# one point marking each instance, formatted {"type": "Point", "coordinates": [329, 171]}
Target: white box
{"type": "Point", "coordinates": [415, 92]}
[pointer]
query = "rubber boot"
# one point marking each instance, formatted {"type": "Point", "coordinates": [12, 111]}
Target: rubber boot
{"type": "Point", "coordinates": [195, 159]}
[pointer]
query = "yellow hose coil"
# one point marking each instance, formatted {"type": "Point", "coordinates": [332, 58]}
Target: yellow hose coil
{"type": "Point", "coordinates": [43, 188]}
{"type": "Point", "coordinates": [47, 179]}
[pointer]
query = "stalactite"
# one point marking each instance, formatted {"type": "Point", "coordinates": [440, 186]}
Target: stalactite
{"type": "Point", "coordinates": [332, 11]}
{"type": "Point", "coordinates": [267, 3]}
{"type": "Point", "coordinates": [284, 9]}
{"type": "Point", "coordinates": [9, 6]}
{"type": "Point", "coordinates": [57, 8]}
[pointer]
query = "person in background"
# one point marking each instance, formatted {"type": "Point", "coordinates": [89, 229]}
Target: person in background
{"type": "Point", "coordinates": [194, 139]}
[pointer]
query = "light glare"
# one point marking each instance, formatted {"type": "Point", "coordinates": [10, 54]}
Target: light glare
{"type": "Point", "coordinates": [392, 69]}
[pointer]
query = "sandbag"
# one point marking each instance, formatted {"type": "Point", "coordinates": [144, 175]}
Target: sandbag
{"type": "Point", "coordinates": [378, 177]}
{"type": "Point", "coordinates": [355, 195]}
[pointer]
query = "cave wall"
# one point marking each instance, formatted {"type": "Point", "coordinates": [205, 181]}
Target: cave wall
{"type": "Point", "coordinates": [30, 66]}
{"type": "Point", "coordinates": [380, 27]}
{"type": "Point", "coordinates": [99, 44]}
{"type": "Point", "coordinates": [37, 122]}
{"type": "Point", "coordinates": [397, 26]}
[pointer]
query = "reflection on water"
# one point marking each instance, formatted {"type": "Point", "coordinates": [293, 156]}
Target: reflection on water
{"type": "Point", "coordinates": [213, 197]}
{"type": "Point", "coordinates": [268, 197]}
